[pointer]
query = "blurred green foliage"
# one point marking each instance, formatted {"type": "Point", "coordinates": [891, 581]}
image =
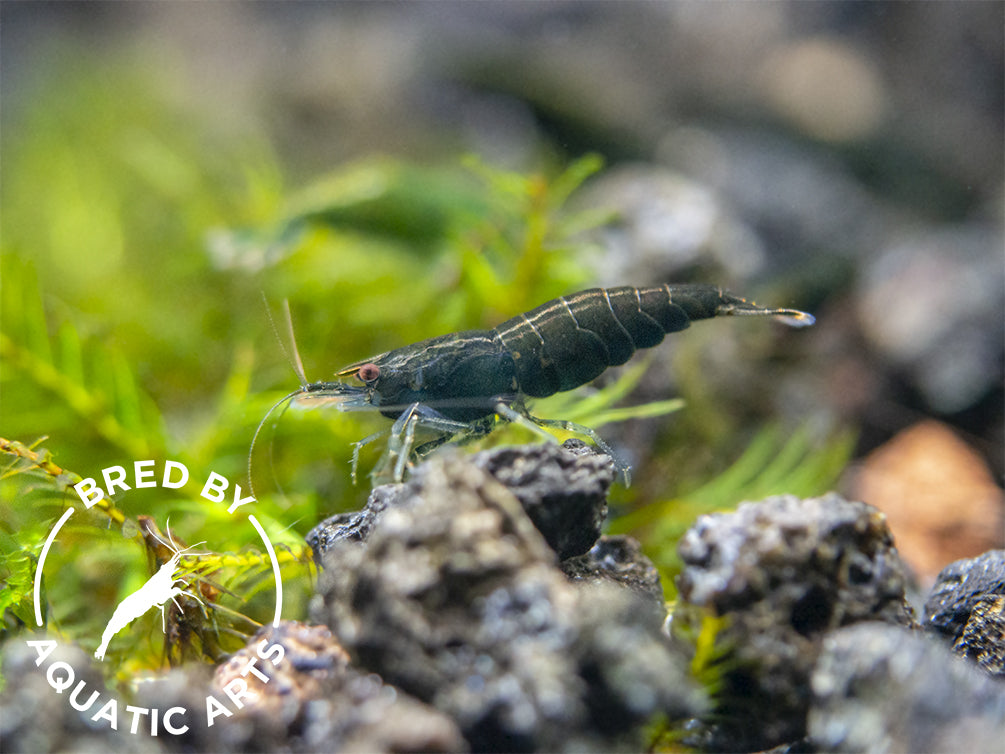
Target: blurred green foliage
{"type": "Point", "coordinates": [138, 242]}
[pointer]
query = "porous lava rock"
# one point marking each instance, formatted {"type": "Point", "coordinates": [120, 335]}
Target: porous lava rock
{"type": "Point", "coordinates": [880, 687]}
{"type": "Point", "coordinates": [353, 526]}
{"type": "Point", "coordinates": [562, 489]}
{"type": "Point", "coordinates": [455, 597]}
{"type": "Point", "coordinates": [618, 559]}
{"type": "Point", "coordinates": [967, 608]}
{"type": "Point", "coordinates": [772, 578]}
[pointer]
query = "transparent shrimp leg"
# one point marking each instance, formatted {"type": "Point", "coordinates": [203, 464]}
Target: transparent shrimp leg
{"type": "Point", "coordinates": [536, 424]}
{"type": "Point", "coordinates": [358, 446]}
{"type": "Point", "coordinates": [402, 437]}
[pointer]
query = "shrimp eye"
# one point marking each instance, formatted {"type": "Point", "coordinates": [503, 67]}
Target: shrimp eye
{"type": "Point", "coordinates": [368, 372]}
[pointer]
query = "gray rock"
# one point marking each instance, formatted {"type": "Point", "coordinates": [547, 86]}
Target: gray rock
{"type": "Point", "coordinates": [562, 488]}
{"type": "Point", "coordinates": [34, 718]}
{"type": "Point", "coordinates": [879, 687]}
{"type": "Point", "coordinates": [779, 575]}
{"type": "Point", "coordinates": [618, 560]}
{"type": "Point", "coordinates": [312, 701]}
{"type": "Point", "coordinates": [455, 598]}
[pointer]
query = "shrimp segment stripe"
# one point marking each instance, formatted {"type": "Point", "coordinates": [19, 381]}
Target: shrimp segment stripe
{"type": "Point", "coordinates": [610, 308]}
{"type": "Point", "coordinates": [571, 340]}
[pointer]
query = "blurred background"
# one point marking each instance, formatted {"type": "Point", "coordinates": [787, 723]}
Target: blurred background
{"type": "Point", "coordinates": [400, 170]}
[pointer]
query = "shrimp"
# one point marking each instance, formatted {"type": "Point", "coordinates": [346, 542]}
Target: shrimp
{"type": "Point", "coordinates": [157, 590]}
{"type": "Point", "coordinates": [458, 385]}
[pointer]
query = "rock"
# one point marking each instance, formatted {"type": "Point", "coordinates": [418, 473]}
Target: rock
{"type": "Point", "coordinates": [455, 597]}
{"type": "Point", "coordinates": [883, 688]}
{"type": "Point", "coordinates": [966, 608]}
{"type": "Point", "coordinates": [312, 701]}
{"type": "Point", "coordinates": [630, 670]}
{"type": "Point", "coordinates": [958, 587]}
{"type": "Point", "coordinates": [562, 488]}
{"type": "Point", "coordinates": [310, 657]}
{"type": "Point", "coordinates": [34, 718]}
{"type": "Point", "coordinates": [618, 560]}
{"type": "Point", "coordinates": [983, 638]}
{"type": "Point", "coordinates": [774, 577]}
{"type": "Point", "coordinates": [354, 526]}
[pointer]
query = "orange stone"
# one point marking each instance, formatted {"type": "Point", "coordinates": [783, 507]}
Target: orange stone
{"type": "Point", "coordinates": [939, 496]}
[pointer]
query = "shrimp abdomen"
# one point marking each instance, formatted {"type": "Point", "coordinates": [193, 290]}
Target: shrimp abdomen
{"type": "Point", "coordinates": [571, 340]}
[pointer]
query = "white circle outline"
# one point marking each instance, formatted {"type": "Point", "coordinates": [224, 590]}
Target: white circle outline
{"type": "Point", "coordinates": [36, 591]}
{"type": "Point", "coordinates": [41, 562]}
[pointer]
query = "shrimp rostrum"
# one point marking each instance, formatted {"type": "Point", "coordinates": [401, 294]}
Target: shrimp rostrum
{"type": "Point", "coordinates": [458, 385]}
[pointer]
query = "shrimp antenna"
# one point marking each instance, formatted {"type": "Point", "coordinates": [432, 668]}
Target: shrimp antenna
{"type": "Point", "coordinates": [151, 529]}
{"type": "Point", "coordinates": [258, 430]}
{"type": "Point", "coordinates": [294, 359]}
{"type": "Point", "coordinates": [296, 363]}
{"type": "Point", "coordinates": [171, 538]}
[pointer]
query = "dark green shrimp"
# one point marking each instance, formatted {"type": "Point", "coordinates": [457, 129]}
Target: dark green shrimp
{"type": "Point", "coordinates": [456, 385]}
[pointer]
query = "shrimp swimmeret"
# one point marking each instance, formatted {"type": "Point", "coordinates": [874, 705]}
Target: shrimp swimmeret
{"type": "Point", "coordinates": [158, 589]}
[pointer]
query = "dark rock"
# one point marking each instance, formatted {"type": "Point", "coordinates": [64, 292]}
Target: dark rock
{"type": "Point", "coordinates": [622, 655]}
{"type": "Point", "coordinates": [456, 599]}
{"type": "Point", "coordinates": [353, 526]}
{"type": "Point", "coordinates": [562, 488]}
{"type": "Point", "coordinates": [774, 577]}
{"type": "Point", "coordinates": [879, 687]}
{"type": "Point", "coordinates": [618, 560]}
{"type": "Point", "coordinates": [959, 586]}
{"type": "Point", "coordinates": [965, 606]}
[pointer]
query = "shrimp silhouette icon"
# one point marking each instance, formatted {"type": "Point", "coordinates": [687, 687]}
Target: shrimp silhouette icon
{"type": "Point", "coordinates": [157, 590]}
